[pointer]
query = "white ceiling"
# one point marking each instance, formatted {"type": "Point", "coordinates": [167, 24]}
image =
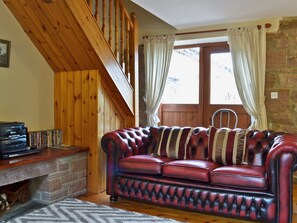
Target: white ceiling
{"type": "Point", "coordinates": [183, 14]}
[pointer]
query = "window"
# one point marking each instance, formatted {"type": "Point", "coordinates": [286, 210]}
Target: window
{"type": "Point", "coordinates": [183, 78]}
{"type": "Point", "coordinates": [200, 81]}
{"type": "Point", "coordinates": [223, 88]}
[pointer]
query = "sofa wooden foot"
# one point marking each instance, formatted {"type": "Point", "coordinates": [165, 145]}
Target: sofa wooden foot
{"type": "Point", "coordinates": [113, 199]}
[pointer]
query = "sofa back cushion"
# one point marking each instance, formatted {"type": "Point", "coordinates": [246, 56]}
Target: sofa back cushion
{"type": "Point", "coordinates": [172, 142]}
{"type": "Point", "coordinates": [227, 146]}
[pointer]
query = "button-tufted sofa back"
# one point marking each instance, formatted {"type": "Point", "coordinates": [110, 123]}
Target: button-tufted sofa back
{"type": "Point", "coordinates": [258, 143]}
{"type": "Point", "coordinates": [197, 148]}
{"type": "Point", "coordinates": [142, 140]}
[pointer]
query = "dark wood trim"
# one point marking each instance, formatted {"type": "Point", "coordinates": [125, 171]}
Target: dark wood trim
{"type": "Point", "coordinates": [180, 107]}
{"type": "Point", "coordinates": [46, 154]}
{"type": "Point", "coordinates": [201, 45]}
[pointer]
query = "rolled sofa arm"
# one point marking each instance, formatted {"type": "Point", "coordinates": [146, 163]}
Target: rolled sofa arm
{"type": "Point", "coordinates": [123, 143]}
{"type": "Point", "coordinates": [126, 142]}
{"type": "Point", "coordinates": [281, 163]}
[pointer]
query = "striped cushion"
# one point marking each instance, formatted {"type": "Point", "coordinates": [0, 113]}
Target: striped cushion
{"type": "Point", "coordinates": [172, 142]}
{"type": "Point", "coordinates": [227, 146]}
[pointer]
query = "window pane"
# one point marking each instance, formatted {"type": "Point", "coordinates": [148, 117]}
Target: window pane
{"type": "Point", "coordinates": [182, 86]}
{"type": "Point", "coordinates": [223, 89]}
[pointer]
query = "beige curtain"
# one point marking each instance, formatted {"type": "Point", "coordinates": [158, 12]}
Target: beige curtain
{"type": "Point", "coordinates": [157, 57]}
{"type": "Point", "coordinates": [248, 51]}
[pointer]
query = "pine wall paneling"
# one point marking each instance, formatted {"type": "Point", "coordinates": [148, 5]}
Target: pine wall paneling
{"type": "Point", "coordinates": [68, 37]}
{"type": "Point", "coordinates": [84, 111]}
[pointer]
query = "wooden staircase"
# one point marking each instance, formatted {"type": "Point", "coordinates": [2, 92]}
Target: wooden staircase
{"type": "Point", "coordinates": [92, 48]}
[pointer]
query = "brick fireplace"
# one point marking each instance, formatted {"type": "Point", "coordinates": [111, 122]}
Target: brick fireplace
{"type": "Point", "coordinates": [54, 173]}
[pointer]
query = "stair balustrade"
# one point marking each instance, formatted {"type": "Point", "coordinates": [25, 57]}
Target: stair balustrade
{"type": "Point", "coordinates": [120, 31]}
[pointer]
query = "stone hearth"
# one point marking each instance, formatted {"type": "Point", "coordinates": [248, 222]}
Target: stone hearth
{"type": "Point", "coordinates": [54, 174]}
{"type": "Point", "coordinates": [68, 178]}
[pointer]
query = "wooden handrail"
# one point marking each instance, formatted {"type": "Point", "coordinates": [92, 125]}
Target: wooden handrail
{"type": "Point", "coordinates": [119, 29]}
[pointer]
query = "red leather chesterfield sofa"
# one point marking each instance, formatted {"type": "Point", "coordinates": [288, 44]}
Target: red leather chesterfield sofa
{"type": "Point", "coordinates": [259, 188]}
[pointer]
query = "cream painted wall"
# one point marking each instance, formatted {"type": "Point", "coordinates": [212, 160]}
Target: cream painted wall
{"type": "Point", "coordinates": [27, 86]}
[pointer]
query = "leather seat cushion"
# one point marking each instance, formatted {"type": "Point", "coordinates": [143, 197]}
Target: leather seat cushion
{"type": "Point", "coordinates": [240, 176]}
{"type": "Point", "coordinates": [146, 164]}
{"type": "Point", "coordinates": [189, 169]}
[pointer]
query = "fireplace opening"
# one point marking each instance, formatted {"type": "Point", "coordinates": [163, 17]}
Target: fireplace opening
{"type": "Point", "coordinates": [27, 183]}
{"type": "Point", "coordinates": [15, 200]}
{"type": "Point", "coordinates": [16, 192]}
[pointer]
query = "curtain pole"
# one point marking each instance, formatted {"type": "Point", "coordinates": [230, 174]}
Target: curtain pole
{"type": "Point", "coordinates": [267, 25]}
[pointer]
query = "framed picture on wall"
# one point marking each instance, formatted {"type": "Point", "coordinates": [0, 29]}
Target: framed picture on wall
{"type": "Point", "coordinates": [4, 53]}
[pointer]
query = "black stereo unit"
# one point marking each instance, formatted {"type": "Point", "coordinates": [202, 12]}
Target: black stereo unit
{"type": "Point", "coordinates": [10, 130]}
{"type": "Point", "coordinates": [13, 140]}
